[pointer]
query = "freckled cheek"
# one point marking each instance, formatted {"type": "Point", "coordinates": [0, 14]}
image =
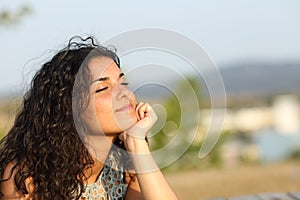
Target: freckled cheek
{"type": "Point", "coordinates": [103, 105]}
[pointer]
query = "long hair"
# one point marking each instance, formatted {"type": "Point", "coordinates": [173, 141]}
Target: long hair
{"type": "Point", "coordinates": [43, 143]}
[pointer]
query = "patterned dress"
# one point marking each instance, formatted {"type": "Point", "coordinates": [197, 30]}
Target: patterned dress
{"type": "Point", "coordinates": [110, 184]}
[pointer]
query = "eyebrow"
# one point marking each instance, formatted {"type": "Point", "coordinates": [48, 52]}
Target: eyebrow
{"type": "Point", "coordinates": [106, 78]}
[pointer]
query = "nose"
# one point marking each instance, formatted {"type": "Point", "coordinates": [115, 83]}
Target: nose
{"type": "Point", "coordinates": [124, 92]}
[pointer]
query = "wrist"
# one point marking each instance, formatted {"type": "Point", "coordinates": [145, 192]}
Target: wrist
{"type": "Point", "coordinates": [137, 145]}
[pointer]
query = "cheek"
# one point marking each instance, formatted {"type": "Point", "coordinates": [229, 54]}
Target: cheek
{"type": "Point", "coordinates": [108, 120]}
{"type": "Point", "coordinates": [103, 107]}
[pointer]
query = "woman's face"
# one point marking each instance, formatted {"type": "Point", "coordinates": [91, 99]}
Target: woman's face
{"type": "Point", "coordinates": [111, 109]}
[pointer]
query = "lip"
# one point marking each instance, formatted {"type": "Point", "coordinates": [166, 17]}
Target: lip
{"type": "Point", "coordinates": [125, 108]}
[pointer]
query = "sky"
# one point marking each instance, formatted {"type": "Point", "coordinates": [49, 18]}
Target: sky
{"type": "Point", "coordinates": [229, 31]}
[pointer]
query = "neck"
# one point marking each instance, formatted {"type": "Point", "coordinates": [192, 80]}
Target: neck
{"type": "Point", "coordinates": [99, 147]}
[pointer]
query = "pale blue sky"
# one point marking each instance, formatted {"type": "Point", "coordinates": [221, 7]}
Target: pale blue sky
{"type": "Point", "coordinates": [229, 30]}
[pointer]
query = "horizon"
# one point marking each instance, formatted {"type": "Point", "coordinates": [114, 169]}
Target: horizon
{"type": "Point", "coordinates": [229, 31]}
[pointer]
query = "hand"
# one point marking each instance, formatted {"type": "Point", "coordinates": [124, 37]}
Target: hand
{"type": "Point", "coordinates": [146, 119]}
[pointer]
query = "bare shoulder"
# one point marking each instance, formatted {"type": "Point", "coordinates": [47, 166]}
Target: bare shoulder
{"type": "Point", "coordinates": [7, 185]}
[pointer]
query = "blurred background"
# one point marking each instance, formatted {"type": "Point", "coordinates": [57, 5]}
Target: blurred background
{"type": "Point", "coordinates": [255, 46]}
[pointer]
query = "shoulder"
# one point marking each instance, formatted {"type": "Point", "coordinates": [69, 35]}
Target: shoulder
{"type": "Point", "coordinates": [7, 185]}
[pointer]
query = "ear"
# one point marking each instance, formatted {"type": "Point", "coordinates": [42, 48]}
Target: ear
{"type": "Point", "coordinates": [29, 186]}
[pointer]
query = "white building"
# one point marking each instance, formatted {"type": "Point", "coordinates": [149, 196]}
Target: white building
{"type": "Point", "coordinates": [286, 114]}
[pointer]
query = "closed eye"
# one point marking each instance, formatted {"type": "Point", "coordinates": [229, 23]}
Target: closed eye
{"type": "Point", "coordinates": [102, 89]}
{"type": "Point", "coordinates": [125, 83]}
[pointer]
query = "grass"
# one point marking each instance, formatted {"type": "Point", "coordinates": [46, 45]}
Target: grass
{"type": "Point", "coordinates": [8, 110]}
{"type": "Point", "coordinates": [2, 133]}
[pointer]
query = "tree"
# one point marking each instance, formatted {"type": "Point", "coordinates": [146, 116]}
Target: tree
{"type": "Point", "coordinates": [182, 110]}
{"type": "Point", "coordinates": [10, 17]}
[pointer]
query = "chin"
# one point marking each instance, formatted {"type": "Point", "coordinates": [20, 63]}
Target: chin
{"type": "Point", "coordinates": [127, 123]}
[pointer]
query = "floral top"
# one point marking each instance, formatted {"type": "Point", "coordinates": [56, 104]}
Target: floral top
{"type": "Point", "coordinates": [110, 184]}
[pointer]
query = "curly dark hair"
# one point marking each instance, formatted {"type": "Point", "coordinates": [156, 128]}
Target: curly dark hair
{"type": "Point", "coordinates": [41, 142]}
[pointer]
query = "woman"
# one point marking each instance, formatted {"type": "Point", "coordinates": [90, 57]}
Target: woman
{"type": "Point", "coordinates": [80, 133]}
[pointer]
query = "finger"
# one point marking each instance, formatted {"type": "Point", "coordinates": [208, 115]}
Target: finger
{"type": "Point", "coordinates": [137, 108]}
{"type": "Point", "coordinates": [141, 113]}
{"type": "Point", "coordinates": [122, 137]}
{"type": "Point", "coordinates": [144, 110]}
{"type": "Point", "coordinates": [148, 110]}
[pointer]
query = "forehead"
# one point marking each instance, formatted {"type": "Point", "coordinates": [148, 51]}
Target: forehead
{"type": "Point", "coordinates": [103, 67]}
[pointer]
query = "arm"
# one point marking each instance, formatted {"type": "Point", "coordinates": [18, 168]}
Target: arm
{"type": "Point", "coordinates": [152, 182]}
{"type": "Point", "coordinates": [134, 190]}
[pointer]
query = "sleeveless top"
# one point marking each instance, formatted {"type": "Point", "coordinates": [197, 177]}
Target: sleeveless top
{"type": "Point", "coordinates": [110, 184]}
